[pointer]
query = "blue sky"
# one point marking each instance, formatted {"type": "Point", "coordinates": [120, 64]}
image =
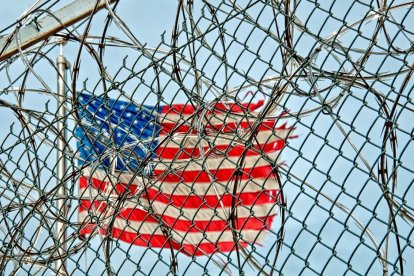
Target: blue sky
{"type": "Point", "coordinates": [321, 156]}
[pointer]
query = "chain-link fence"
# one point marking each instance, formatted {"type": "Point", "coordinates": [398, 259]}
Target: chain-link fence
{"type": "Point", "coordinates": [212, 137]}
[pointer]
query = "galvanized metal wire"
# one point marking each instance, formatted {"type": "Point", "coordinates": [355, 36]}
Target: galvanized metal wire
{"type": "Point", "coordinates": [339, 72]}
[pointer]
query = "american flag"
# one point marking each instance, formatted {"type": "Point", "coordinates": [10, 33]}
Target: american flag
{"type": "Point", "coordinates": [175, 176]}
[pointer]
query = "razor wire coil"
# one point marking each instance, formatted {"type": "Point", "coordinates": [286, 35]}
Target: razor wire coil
{"type": "Point", "coordinates": [338, 75]}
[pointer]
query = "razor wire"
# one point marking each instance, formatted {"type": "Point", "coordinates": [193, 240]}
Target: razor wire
{"type": "Point", "coordinates": [338, 73]}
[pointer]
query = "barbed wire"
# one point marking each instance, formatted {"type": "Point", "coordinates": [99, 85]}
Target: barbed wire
{"type": "Point", "coordinates": [329, 84]}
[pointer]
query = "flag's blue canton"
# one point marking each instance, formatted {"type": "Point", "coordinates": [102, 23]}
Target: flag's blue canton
{"type": "Point", "coordinates": [115, 124]}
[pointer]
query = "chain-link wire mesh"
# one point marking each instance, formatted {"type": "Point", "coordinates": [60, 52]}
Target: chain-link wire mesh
{"type": "Point", "coordinates": [212, 137]}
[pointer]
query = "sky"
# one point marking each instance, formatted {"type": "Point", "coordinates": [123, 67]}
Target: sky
{"type": "Point", "coordinates": [320, 156]}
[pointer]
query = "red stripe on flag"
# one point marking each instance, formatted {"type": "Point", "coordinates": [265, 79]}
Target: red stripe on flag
{"type": "Point", "coordinates": [221, 175]}
{"type": "Point", "coordinates": [217, 108]}
{"type": "Point", "coordinates": [160, 241]}
{"type": "Point", "coordinates": [229, 127]}
{"type": "Point", "coordinates": [212, 201]}
{"type": "Point", "coordinates": [187, 153]}
{"type": "Point", "coordinates": [192, 200]}
{"type": "Point", "coordinates": [180, 224]}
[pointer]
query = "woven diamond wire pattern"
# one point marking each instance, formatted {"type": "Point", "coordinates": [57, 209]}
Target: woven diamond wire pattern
{"type": "Point", "coordinates": [338, 73]}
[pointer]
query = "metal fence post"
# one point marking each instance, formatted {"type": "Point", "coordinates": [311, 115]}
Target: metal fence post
{"type": "Point", "coordinates": [62, 65]}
